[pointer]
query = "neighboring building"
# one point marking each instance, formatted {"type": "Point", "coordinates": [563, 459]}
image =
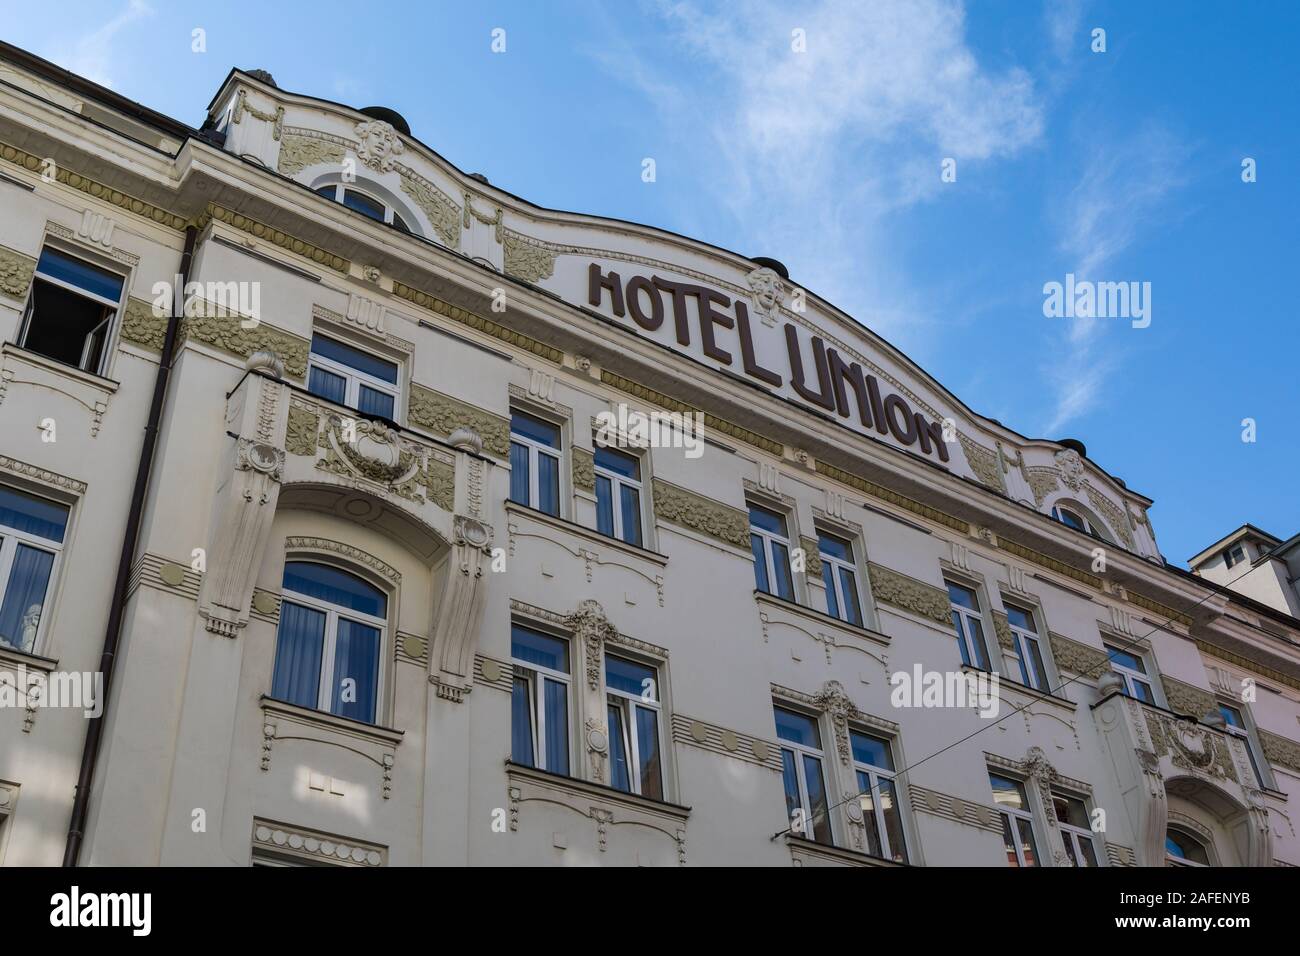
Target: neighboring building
{"type": "Point", "coordinates": [1255, 564]}
{"type": "Point", "coordinates": [392, 603]}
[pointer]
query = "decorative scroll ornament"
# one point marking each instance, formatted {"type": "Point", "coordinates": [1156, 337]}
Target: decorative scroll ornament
{"type": "Point", "coordinates": [451, 655]}
{"type": "Point", "coordinates": [769, 294]}
{"type": "Point", "coordinates": [378, 145]}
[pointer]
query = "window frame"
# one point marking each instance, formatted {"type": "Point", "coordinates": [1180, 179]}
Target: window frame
{"type": "Point", "coordinates": [965, 640]}
{"type": "Point", "coordinates": [627, 704]}
{"type": "Point", "coordinates": [1020, 636]}
{"type": "Point", "coordinates": [537, 675]}
{"type": "Point", "coordinates": [354, 378]}
{"type": "Point", "coordinates": [1182, 861]}
{"type": "Point", "coordinates": [1128, 675]}
{"type": "Point", "coordinates": [839, 567]}
{"type": "Point", "coordinates": [874, 774]}
{"type": "Point", "coordinates": [1025, 815]}
{"type": "Point", "coordinates": [798, 751]}
{"type": "Point", "coordinates": [10, 539]}
{"type": "Point", "coordinates": [534, 449]}
{"type": "Point", "coordinates": [768, 540]}
{"type": "Point", "coordinates": [390, 211]}
{"type": "Point", "coordinates": [1072, 834]}
{"type": "Point", "coordinates": [112, 322]}
{"type": "Point", "coordinates": [616, 482]}
{"type": "Point", "coordinates": [1229, 559]}
{"type": "Point", "coordinates": [1246, 732]}
{"type": "Point", "coordinates": [329, 639]}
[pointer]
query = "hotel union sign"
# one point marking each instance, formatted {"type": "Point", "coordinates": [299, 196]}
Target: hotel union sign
{"type": "Point", "coordinates": [696, 317]}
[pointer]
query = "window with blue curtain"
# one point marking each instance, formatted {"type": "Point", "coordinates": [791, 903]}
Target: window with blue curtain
{"type": "Point", "coordinates": [329, 644]}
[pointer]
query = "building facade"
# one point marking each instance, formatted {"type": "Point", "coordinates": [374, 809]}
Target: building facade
{"type": "Point", "coordinates": [481, 533]}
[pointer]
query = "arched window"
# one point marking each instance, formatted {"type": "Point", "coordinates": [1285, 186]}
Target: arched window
{"type": "Point", "coordinates": [1183, 849]}
{"type": "Point", "coordinates": [328, 651]}
{"type": "Point", "coordinates": [364, 203]}
{"type": "Point", "coordinates": [1075, 517]}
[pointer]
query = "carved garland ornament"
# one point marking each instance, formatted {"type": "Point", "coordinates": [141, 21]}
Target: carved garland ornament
{"type": "Point", "coordinates": [526, 258]}
{"type": "Point", "coordinates": [984, 464]}
{"type": "Point", "coordinates": [1078, 658]}
{"type": "Point", "coordinates": [584, 469]}
{"type": "Point", "coordinates": [16, 272]}
{"type": "Point", "coordinates": [443, 214]}
{"type": "Point", "coordinates": [299, 152]}
{"type": "Point", "coordinates": [443, 415]}
{"type": "Point", "coordinates": [894, 587]}
{"type": "Point", "coordinates": [703, 515]}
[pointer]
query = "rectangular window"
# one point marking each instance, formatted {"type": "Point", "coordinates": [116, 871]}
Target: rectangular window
{"type": "Point", "coordinates": [873, 762]}
{"type": "Point", "coordinates": [539, 713]}
{"type": "Point", "coordinates": [618, 495]}
{"type": "Point", "coordinates": [805, 786]}
{"type": "Point", "coordinates": [1234, 555]}
{"type": "Point", "coordinates": [1133, 670]}
{"type": "Point", "coordinates": [840, 575]}
{"type": "Point", "coordinates": [1076, 830]}
{"type": "Point", "coordinates": [968, 621]}
{"type": "Point", "coordinates": [770, 542]}
{"type": "Point", "coordinates": [1028, 651]}
{"type": "Point", "coordinates": [1017, 820]}
{"type": "Point", "coordinates": [1235, 724]}
{"type": "Point", "coordinates": [70, 314]}
{"type": "Point", "coordinates": [349, 376]}
{"type": "Point", "coordinates": [635, 747]}
{"type": "Point", "coordinates": [31, 540]}
{"type": "Point", "coordinates": [535, 450]}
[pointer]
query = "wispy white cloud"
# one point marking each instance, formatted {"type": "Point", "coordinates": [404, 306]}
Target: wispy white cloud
{"type": "Point", "coordinates": [92, 55]}
{"type": "Point", "coordinates": [811, 152]}
{"type": "Point", "coordinates": [1121, 192]}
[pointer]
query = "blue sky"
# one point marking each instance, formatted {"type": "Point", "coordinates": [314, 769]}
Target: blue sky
{"type": "Point", "coordinates": [1123, 165]}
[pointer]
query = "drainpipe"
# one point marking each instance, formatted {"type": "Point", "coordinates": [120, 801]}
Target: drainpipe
{"type": "Point", "coordinates": [130, 539]}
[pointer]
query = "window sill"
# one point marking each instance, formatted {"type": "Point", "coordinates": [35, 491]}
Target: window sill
{"type": "Point", "coordinates": [582, 531]}
{"type": "Point", "coordinates": [13, 657]}
{"type": "Point", "coordinates": [812, 614]}
{"type": "Point", "coordinates": [105, 385]}
{"type": "Point", "coordinates": [802, 845]}
{"type": "Point", "coordinates": [357, 728]}
{"type": "Point", "coordinates": [1005, 681]}
{"type": "Point", "coordinates": [596, 791]}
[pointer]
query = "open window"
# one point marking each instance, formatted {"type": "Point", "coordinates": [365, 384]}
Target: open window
{"type": "Point", "coordinates": [72, 310]}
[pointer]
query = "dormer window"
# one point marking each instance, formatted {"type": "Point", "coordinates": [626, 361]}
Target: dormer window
{"type": "Point", "coordinates": [363, 203]}
{"type": "Point", "coordinates": [1234, 555]}
{"type": "Point", "coordinates": [1072, 519]}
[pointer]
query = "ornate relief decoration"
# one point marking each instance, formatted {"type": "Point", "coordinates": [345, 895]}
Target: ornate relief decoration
{"type": "Point", "coordinates": [51, 478]}
{"type": "Point", "coordinates": [984, 463]}
{"type": "Point", "coordinates": [91, 187]}
{"type": "Point", "coordinates": [893, 587]}
{"type": "Point", "coordinates": [1071, 468]}
{"type": "Point", "coordinates": [92, 395]}
{"type": "Point", "coordinates": [1191, 747]}
{"type": "Point", "coordinates": [229, 335]}
{"type": "Point", "coordinates": [591, 626]}
{"type": "Point", "coordinates": [298, 152]}
{"type": "Point", "coordinates": [812, 557]}
{"type": "Point", "coordinates": [965, 812]}
{"type": "Point", "coordinates": [1280, 750]}
{"type": "Point", "coordinates": [439, 208]}
{"type": "Point", "coordinates": [702, 515]}
{"type": "Point", "coordinates": [371, 451]}
{"type": "Point", "coordinates": [1186, 699]}
{"type": "Point", "coordinates": [278, 238]}
{"type": "Point", "coordinates": [284, 840]}
{"type": "Point", "coordinates": [834, 702]}
{"type": "Point", "coordinates": [1043, 482]}
{"type": "Point", "coordinates": [141, 326]}
{"type": "Point", "coordinates": [1113, 515]}
{"type": "Point", "coordinates": [16, 271]}
{"type": "Point", "coordinates": [768, 293]}
{"type": "Point", "coordinates": [526, 258]}
{"type": "Point", "coordinates": [1003, 627]}
{"type": "Point", "coordinates": [303, 430]}
{"type": "Point", "coordinates": [584, 469]}
{"type": "Point", "coordinates": [242, 106]}
{"type": "Point", "coordinates": [97, 229]}
{"type": "Point", "coordinates": [378, 145]}
{"type": "Point", "coordinates": [1078, 658]}
{"type": "Point", "coordinates": [459, 608]}
{"type": "Point", "coordinates": [443, 415]}
{"type": "Point", "coordinates": [590, 557]}
{"type": "Point", "coordinates": [299, 543]}
{"type": "Point", "coordinates": [496, 220]}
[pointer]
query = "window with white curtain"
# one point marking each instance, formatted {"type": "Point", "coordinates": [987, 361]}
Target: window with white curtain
{"type": "Point", "coordinates": [328, 653]}
{"type": "Point", "coordinates": [31, 541]}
